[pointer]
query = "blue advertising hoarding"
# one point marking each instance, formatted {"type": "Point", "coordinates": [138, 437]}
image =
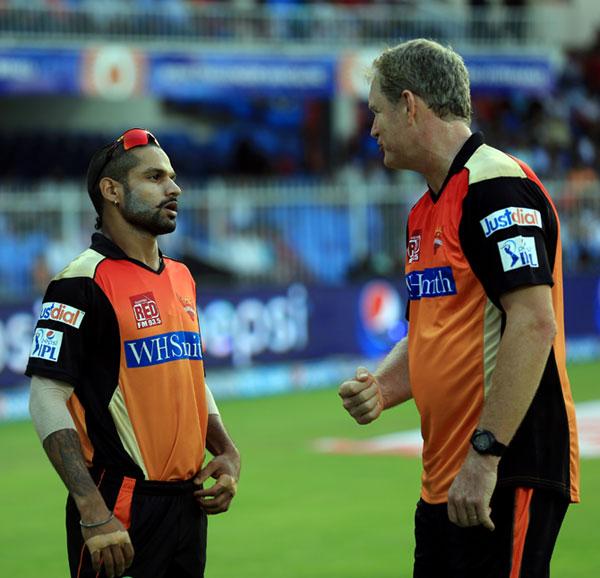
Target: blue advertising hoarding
{"type": "Point", "coordinates": [39, 71]}
{"type": "Point", "coordinates": [192, 76]}
{"type": "Point", "coordinates": [243, 328]}
{"type": "Point", "coordinates": [121, 72]}
{"type": "Point", "coordinates": [502, 74]}
{"type": "Point", "coordinates": [246, 328]}
{"type": "Point", "coordinates": [273, 341]}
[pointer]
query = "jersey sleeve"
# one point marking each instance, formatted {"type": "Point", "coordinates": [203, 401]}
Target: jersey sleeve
{"type": "Point", "coordinates": [508, 232]}
{"type": "Point", "coordinates": [62, 331]}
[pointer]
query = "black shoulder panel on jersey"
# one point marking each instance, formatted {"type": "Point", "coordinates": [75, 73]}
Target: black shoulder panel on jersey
{"type": "Point", "coordinates": [75, 312]}
{"type": "Point", "coordinates": [77, 341]}
{"type": "Point", "coordinates": [508, 232]}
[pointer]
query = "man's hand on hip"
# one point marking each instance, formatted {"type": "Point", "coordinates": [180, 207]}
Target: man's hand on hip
{"type": "Point", "coordinates": [362, 397]}
{"type": "Point", "coordinates": [224, 468]}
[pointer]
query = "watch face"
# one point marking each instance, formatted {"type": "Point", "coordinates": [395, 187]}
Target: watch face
{"type": "Point", "coordinates": [482, 441]}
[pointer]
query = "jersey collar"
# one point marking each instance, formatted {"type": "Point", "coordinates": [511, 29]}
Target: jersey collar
{"type": "Point", "coordinates": [460, 160]}
{"type": "Point", "coordinates": [108, 248]}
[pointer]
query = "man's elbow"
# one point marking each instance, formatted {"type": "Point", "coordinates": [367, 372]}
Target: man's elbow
{"type": "Point", "coordinates": [542, 327]}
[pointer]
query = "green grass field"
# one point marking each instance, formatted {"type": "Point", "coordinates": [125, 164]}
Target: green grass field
{"type": "Point", "coordinates": [298, 514]}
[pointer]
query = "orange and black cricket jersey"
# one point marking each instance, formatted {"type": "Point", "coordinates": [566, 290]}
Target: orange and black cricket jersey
{"type": "Point", "coordinates": [127, 339]}
{"type": "Point", "coordinates": [492, 228]}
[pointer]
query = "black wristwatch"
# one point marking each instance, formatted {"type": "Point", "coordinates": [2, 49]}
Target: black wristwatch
{"type": "Point", "coordinates": [484, 442]}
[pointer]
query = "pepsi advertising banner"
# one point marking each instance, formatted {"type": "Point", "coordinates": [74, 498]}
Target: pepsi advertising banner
{"type": "Point", "coordinates": [301, 323]}
{"type": "Point", "coordinates": [240, 329]}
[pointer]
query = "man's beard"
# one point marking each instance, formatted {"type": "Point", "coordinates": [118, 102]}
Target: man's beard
{"type": "Point", "coordinates": [152, 220]}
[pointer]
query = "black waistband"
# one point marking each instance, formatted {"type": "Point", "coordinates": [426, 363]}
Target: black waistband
{"type": "Point", "coordinates": [149, 487]}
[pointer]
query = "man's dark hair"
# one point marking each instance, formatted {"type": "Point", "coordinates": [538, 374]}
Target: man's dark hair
{"type": "Point", "coordinates": [118, 168]}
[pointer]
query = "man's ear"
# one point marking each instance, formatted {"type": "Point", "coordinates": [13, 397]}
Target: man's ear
{"type": "Point", "coordinates": [111, 190]}
{"type": "Point", "coordinates": [410, 104]}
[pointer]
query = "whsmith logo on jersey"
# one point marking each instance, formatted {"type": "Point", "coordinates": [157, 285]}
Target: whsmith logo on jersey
{"type": "Point", "coordinates": [434, 282]}
{"type": "Point", "coordinates": [63, 313]}
{"type": "Point", "coordinates": [163, 348]}
{"type": "Point", "coordinates": [145, 310]}
{"type": "Point", "coordinates": [508, 217]}
{"type": "Point", "coordinates": [46, 344]}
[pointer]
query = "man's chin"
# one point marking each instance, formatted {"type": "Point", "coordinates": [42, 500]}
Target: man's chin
{"type": "Point", "coordinates": [167, 228]}
{"type": "Point", "coordinates": [389, 162]}
{"type": "Point", "coordinates": [163, 228]}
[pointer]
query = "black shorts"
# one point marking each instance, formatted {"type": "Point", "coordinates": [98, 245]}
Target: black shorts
{"type": "Point", "coordinates": [527, 523]}
{"type": "Point", "coordinates": [165, 523]}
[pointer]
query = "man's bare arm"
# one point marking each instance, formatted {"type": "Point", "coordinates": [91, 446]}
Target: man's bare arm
{"type": "Point", "coordinates": [105, 536]}
{"type": "Point", "coordinates": [224, 467]}
{"type": "Point", "coordinates": [393, 377]}
{"type": "Point", "coordinates": [522, 356]}
{"type": "Point", "coordinates": [64, 451]}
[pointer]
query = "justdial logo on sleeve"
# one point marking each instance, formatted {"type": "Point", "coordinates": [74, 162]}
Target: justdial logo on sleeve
{"type": "Point", "coordinates": [508, 217]}
{"type": "Point", "coordinates": [66, 314]}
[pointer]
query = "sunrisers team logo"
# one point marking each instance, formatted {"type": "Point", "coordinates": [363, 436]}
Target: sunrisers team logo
{"type": "Point", "coordinates": [145, 310]}
{"type": "Point", "coordinates": [188, 306]}
{"type": "Point", "coordinates": [46, 344]}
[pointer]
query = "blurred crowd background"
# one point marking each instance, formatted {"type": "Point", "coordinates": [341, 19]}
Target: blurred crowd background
{"type": "Point", "coordinates": [281, 185]}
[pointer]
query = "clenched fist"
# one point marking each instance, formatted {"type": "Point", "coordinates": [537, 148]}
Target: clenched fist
{"type": "Point", "coordinates": [362, 397]}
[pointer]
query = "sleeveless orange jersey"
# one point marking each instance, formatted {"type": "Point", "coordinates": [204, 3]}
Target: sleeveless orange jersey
{"type": "Point", "coordinates": [492, 228]}
{"type": "Point", "coordinates": [127, 338]}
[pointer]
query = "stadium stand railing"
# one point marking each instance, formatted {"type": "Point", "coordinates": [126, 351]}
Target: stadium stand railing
{"type": "Point", "coordinates": [260, 234]}
{"type": "Point", "coordinates": [312, 25]}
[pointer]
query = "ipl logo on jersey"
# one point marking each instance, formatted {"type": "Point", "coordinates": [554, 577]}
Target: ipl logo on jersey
{"type": "Point", "coordinates": [413, 249]}
{"type": "Point", "coordinates": [46, 344]}
{"type": "Point", "coordinates": [145, 310]}
{"type": "Point", "coordinates": [518, 252]}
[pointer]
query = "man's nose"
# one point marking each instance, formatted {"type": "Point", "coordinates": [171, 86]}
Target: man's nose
{"type": "Point", "coordinates": [374, 129]}
{"type": "Point", "coordinates": [174, 188]}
